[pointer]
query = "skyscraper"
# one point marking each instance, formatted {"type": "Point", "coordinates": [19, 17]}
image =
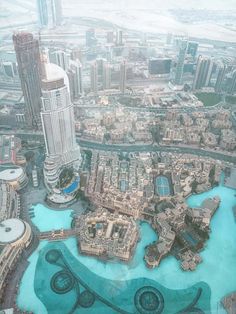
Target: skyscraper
{"type": "Point", "coordinates": [94, 78]}
{"type": "Point", "coordinates": [77, 54]}
{"type": "Point", "coordinates": [109, 53]}
{"type": "Point", "coordinates": [180, 62]}
{"type": "Point", "coordinates": [106, 75]}
{"type": "Point", "coordinates": [50, 13]}
{"type": "Point", "coordinates": [119, 37]}
{"type": "Point", "coordinates": [61, 58]}
{"type": "Point", "coordinates": [192, 48]}
{"type": "Point", "coordinates": [29, 68]}
{"type": "Point", "coordinates": [75, 79]}
{"type": "Point", "coordinates": [9, 68]}
{"type": "Point", "coordinates": [123, 77]}
{"type": "Point", "coordinates": [42, 12]}
{"type": "Point", "coordinates": [220, 77]}
{"type": "Point", "coordinates": [90, 37]}
{"type": "Point", "coordinates": [203, 72]}
{"type": "Point", "coordinates": [232, 86]}
{"type": "Point", "coordinates": [58, 125]}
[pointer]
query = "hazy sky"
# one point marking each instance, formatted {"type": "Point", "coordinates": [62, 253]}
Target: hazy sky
{"type": "Point", "coordinates": [143, 15]}
{"type": "Point", "coordinates": [18, 6]}
{"type": "Point", "coordinates": [148, 4]}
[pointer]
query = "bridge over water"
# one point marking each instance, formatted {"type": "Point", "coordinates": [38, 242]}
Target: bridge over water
{"type": "Point", "coordinates": [56, 235]}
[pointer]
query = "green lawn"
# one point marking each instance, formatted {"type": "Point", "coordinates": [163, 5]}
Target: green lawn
{"type": "Point", "coordinates": [209, 99]}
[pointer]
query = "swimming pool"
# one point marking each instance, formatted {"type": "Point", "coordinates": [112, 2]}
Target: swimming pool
{"type": "Point", "coordinates": [73, 187]}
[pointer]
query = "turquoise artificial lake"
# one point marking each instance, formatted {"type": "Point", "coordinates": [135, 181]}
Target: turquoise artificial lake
{"type": "Point", "coordinates": [217, 270]}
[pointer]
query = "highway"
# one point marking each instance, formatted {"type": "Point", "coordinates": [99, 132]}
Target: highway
{"type": "Point", "coordinates": [158, 110]}
{"type": "Point", "coordinates": [29, 135]}
{"type": "Point", "coordinates": [154, 148]}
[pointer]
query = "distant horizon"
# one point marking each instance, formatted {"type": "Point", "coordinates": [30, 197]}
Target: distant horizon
{"type": "Point", "coordinates": [158, 4]}
{"type": "Point", "coordinates": [150, 16]}
{"type": "Point", "coordinates": [227, 5]}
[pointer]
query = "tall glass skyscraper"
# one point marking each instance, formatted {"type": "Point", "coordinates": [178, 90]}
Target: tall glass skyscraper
{"type": "Point", "coordinates": [203, 72]}
{"type": "Point", "coordinates": [180, 62]}
{"type": "Point", "coordinates": [123, 77]}
{"type": "Point", "coordinates": [192, 48]}
{"type": "Point", "coordinates": [58, 125]}
{"type": "Point", "coordinates": [232, 85]}
{"type": "Point", "coordinates": [75, 78]}
{"type": "Point", "coordinates": [49, 13]}
{"type": "Point", "coordinates": [94, 78]}
{"type": "Point", "coordinates": [28, 60]}
{"type": "Point", "coordinates": [222, 68]}
{"type": "Point", "coordinates": [106, 75]}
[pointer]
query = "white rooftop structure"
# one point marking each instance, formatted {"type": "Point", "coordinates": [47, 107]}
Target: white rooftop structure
{"type": "Point", "coordinates": [15, 176]}
{"type": "Point", "coordinates": [11, 174]}
{"type": "Point", "coordinates": [7, 311]}
{"type": "Point", "coordinates": [11, 230]}
{"type": "Point", "coordinates": [53, 73]}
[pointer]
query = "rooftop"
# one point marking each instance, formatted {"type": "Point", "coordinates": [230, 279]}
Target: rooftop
{"type": "Point", "coordinates": [11, 230]}
{"type": "Point", "coordinates": [7, 149]}
{"type": "Point", "coordinates": [10, 174]}
{"type": "Point", "coordinates": [54, 73]}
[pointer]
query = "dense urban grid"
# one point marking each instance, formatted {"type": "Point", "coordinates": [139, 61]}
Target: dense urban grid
{"type": "Point", "coordinates": [123, 124]}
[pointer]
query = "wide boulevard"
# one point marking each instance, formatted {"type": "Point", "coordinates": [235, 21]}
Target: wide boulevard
{"type": "Point", "coordinates": [219, 155]}
{"type": "Point", "coordinates": [155, 148]}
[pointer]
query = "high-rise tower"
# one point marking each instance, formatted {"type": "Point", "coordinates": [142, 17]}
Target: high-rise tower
{"type": "Point", "coordinates": [232, 85]}
{"type": "Point", "coordinates": [90, 38]}
{"type": "Point", "coordinates": [75, 78]}
{"type": "Point", "coordinates": [58, 125]}
{"type": "Point", "coordinates": [94, 78]}
{"type": "Point", "coordinates": [61, 58]}
{"type": "Point", "coordinates": [50, 13]}
{"type": "Point", "coordinates": [123, 77]}
{"type": "Point", "coordinates": [180, 62]}
{"type": "Point", "coordinates": [119, 37]}
{"type": "Point", "coordinates": [220, 77]}
{"type": "Point", "coordinates": [192, 48]}
{"type": "Point", "coordinates": [203, 72]}
{"type": "Point", "coordinates": [29, 68]}
{"type": "Point", "coordinates": [106, 75]}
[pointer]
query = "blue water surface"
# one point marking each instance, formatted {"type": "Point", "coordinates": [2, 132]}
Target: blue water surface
{"type": "Point", "coordinates": [218, 268]}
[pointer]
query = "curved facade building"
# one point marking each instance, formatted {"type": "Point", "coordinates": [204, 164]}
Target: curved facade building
{"type": "Point", "coordinates": [15, 232]}
{"type": "Point", "coordinates": [14, 176]}
{"type": "Point", "coordinates": [58, 125]}
{"type": "Point", "coordinates": [15, 236]}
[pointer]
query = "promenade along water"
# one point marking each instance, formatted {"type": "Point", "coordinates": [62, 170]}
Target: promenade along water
{"type": "Point", "coordinates": [217, 270]}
